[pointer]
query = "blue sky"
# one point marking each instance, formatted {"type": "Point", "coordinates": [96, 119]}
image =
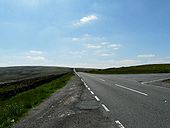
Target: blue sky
{"type": "Point", "coordinates": [84, 33]}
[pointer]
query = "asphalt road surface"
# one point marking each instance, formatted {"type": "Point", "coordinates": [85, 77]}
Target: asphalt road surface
{"type": "Point", "coordinates": [133, 100]}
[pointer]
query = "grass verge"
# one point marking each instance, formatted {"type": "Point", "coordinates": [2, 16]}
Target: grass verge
{"type": "Point", "coordinates": [11, 110]}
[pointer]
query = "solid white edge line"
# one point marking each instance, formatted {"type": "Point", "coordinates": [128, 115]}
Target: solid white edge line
{"type": "Point", "coordinates": [92, 92]}
{"type": "Point", "coordinates": [131, 89]}
{"type": "Point", "coordinates": [106, 109]}
{"type": "Point", "coordinates": [97, 98]}
{"type": "Point", "coordinates": [119, 124]}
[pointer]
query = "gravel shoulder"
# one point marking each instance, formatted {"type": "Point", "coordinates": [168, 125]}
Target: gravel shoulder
{"type": "Point", "coordinates": [71, 107]}
{"type": "Point", "coordinates": [162, 83]}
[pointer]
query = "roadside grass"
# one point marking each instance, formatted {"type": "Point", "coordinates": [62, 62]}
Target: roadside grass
{"type": "Point", "coordinates": [11, 110]}
{"type": "Point", "coordinates": [142, 69]}
{"type": "Point", "coordinates": [10, 89]}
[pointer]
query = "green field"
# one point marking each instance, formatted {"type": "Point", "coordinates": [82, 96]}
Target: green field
{"type": "Point", "coordinates": [22, 88]}
{"type": "Point", "coordinates": [12, 109]}
{"type": "Point", "coordinates": [142, 69]}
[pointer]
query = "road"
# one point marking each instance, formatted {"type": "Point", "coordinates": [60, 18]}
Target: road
{"type": "Point", "coordinates": [130, 100]}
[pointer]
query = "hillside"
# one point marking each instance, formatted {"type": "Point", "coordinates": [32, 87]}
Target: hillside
{"type": "Point", "coordinates": [22, 72]}
{"type": "Point", "coordinates": [141, 69]}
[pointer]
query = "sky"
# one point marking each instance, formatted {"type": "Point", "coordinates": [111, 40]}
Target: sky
{"type": "Point", "coordinates": [84, 33]}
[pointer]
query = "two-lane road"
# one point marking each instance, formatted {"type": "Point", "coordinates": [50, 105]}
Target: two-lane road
{"type": "Point", "coordinates": [131, 103]}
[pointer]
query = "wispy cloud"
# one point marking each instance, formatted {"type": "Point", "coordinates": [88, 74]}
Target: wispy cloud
{"type": "Point", "coordinates": [34, 55]}
{"type": "Point", "coordinates": [104, 45]}
{"type": "Point", "coordinates": [35, 52]}
{"type": "Point", "coordinates": [127, 62]}
{"type": "Point", "coordinates": [84, 37]}
{"type": "Point", "coordinates": [86, 20]}
{"type": "Point", "coordinates": [114, 46]}
{"type": "Point", "coordinates": [92, 46]}
{"type": "Point", "coordinates": [146, 56]}
{"type": "Point", "coordinates": [103, 53]}
{"type": "Point", "coordinates": [75, 39]}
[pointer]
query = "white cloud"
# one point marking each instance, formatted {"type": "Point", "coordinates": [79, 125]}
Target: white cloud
{"type": "Point", "coordinates": [103, 53]}
{"type": "Point", "coordinates": [114, 46]}
{"type": "Point", "coordinates": [146, 56]}
{"type": "Point", "coordinates": [86, 19]}
{"type": "Point", "coordinates": [75, 39]}
{"type": "Point", "coordinates": [91, 46]}
{"type": "Point", "coordinates": [127, 62]}
{"type": "Point", "coordinates": [34, 55]}
{"type": "Point", "coordinates": [83, 38]}
{"type": "Point", "coordinates": [106, 45]}
{"type": "Point", "coordinates": [36, 58]}
{"type": "Point", "coordinates": [35, 52]}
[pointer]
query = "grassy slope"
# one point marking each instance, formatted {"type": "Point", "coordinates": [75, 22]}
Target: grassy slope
{"type": "Point", "coordinates": [152, 68]}
{"type": "Point", "coordinates": [14, 108]}
{"type": "Point", "coordinates": [22, 72]}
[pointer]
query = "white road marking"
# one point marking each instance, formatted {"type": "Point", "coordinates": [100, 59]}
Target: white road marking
{"type": "Point", "coordinates": [86, 86]}
{"type": "Point", "coordinates": [154, 80]}
{"type": "Point", "coordinates": [88, 89]}
{"type": "Point", "coordinates": [92, 92]}
{"type": "Point", "coordinates": [132, 90]}
{"type": "Point", "coordinates": [97, 98]}
{"type": "Point", "coordinates": [102, 80]}
{"type": "Point", "coordinates": [82, 80]}
{"type": "Point", "coordinates": [106, 109]}
{"type": "Point", "coordinates": [119, 124]}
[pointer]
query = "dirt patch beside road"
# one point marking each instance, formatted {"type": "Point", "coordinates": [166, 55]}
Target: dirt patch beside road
{"type": "Point", "coordinates": [71, 107]}
{"type": "Point", "coordinates": [167, 81]}
{"type": "Point", "coordinates": [162, 83]}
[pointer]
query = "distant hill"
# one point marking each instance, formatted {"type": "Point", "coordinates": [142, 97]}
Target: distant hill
{"type": "Point", "coordinates": [84, 69]}
{"type": "Point", "coordinates": [141, 69]}
{"type": "Point", "coordinates": [22, 72]}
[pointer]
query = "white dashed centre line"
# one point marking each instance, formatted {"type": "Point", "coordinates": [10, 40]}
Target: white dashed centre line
{"type": "Point", "coordinates": [97, 98]}
{"type": "Point", "coordinates": [86, 86]}
{"type": "Point", "coordinates": [119, 124]}
{"type": "Point", "coordinates": [88, 89]}
{"type": "Point", "coordinates": [82, 80]}
{"type": "Point", "coordinates": [106, 109]}
{"type": "Point", "coordinates": [132, 90]}
{"type": "Point", "coordinates": [92, 92]}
